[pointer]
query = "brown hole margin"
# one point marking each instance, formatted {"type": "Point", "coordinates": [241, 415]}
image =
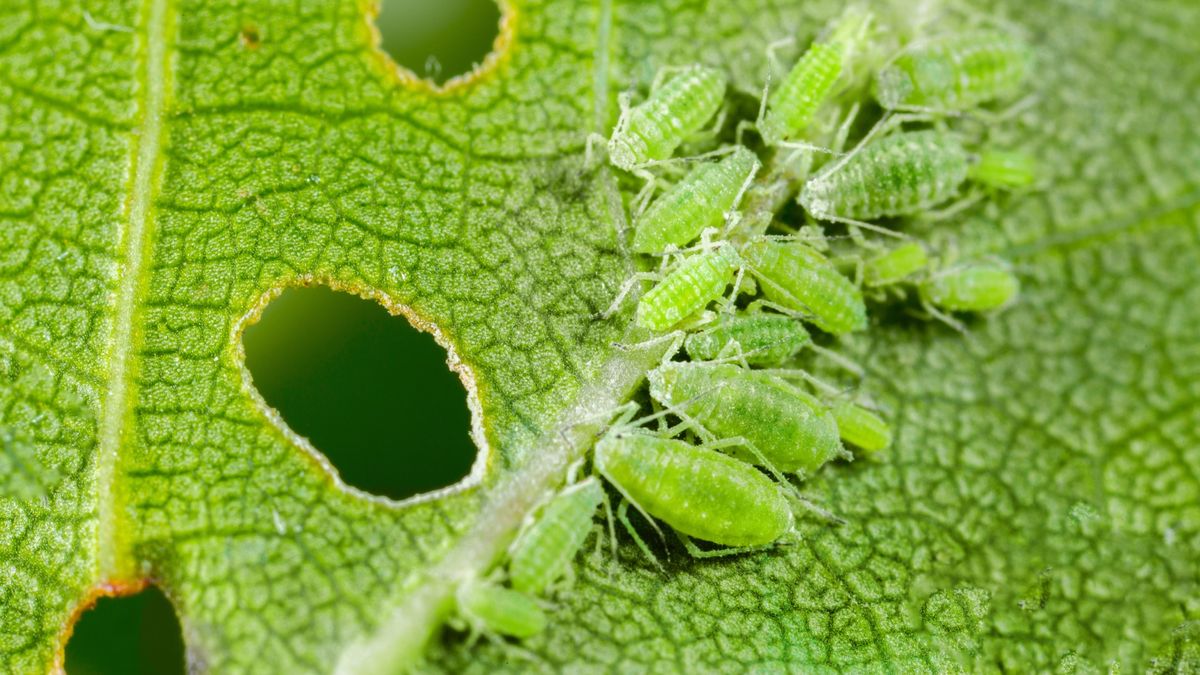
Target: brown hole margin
{"type": "Point", "coordinates": [104, 589]}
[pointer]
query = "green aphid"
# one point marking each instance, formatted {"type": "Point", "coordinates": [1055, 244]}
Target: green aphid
{"type": "Point", "coordinates": [792, 106]}
{"type": "Point", "coordinates": [954, 73]}
{"type": "Point", "coordinates": [688, 288]}
{"type": "Point", "coordinates": [544, 551]}
{"type": "Point", "coordinates": [895, 265]}
{"type": "Point", "coordinates": [698, 491]}
{"type": "Point", "coordinates": [488, 608]}
{"type": "Point", "coordinates": [761, 339]}
{"type": "Point", "coordinates": [778, 425]}
{"type": "Point", "coordinates": [701, 200]}
{"type": "Point", "coordinates": [862, 427]}
{"type": "Point", "coordinates": [1003, 169]}
{"type": "Point", "coordinates": [970, 287]}
{"type": "Point", "coordinates": [680, 107]}
{"type": "Point", "coordinates": [799, 279]}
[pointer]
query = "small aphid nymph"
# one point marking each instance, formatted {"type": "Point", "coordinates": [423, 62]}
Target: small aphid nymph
{"type": "Point", "coordinates": [688, 288]}
{"type": "Point", "coordinates": [544, 551]}
{"type": "Point", "coordinates": [680, 107]}
{"type": "Point", "coordinates": [760, 338]}
{"type": "Point", "coordinates": [799, 279]}
{"type": "Point", "coordinates": [895, 265]}
{"type": "Point", "coordinates": [1004, 169]}
{"type": "Point", "coordinates": [954, 73]}
{"type": "Point", "coordinates": [970, 287]}
{"type": "Point", "coordinates": [862, 427]}
{"type": "Point", "coordinates": [491, 609]}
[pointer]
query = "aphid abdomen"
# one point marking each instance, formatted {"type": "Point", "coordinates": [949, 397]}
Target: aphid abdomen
{"type": "Point", "coordinates": [698, 492]}
{"type": "Point", "coordinates": [977, 287]}
{"type": "Point", "coordinates": [763, 339]}
{"type": "Point", "coordinates": [687, 289]}
{"type": "Point", "coordinates": [791, 107]}
{"type": "Point", "coordinates": [500, 610]}
{"type": "Point", "coordinates": [956, 72]}
{"type": "Point", "coordinates": [544, 551]}
{"type": "Point", "coordinates": [653, 129]}
{"type": "Point", "coordinates": [861, 427]}
{"type": "Point", "coordinates": [900, 174]}
{"type": "Point", "coordinates": [697, 202]}
{"type": "Point", "coordinates": [801, 279]}
{"type": "Point", "coordinates": [895, 265]}
{"type": "Point", "coordinates": [792, 429]}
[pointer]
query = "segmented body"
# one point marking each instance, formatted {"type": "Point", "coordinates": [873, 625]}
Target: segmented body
{"type": "Point", "coordinates": [688, 288]}
{"type": "Point", "coordinates": [895, 265]}
{"type": "Point", "coordinates": [975, 287]}
{"type": "Point", "coordinates": [861, 427]}
{"type": "Point", "coordinates": [790, 428]}
{"type": "Point", "coordinates": [697, 491]}
{"type": "Point", "coordinates": [699, 201]}
{"type": "Point", "coordinates": [495, 609]}
{"type": "Point", "coordinates": [762, 339]}
{"type": "Point", "coordinates": [653, 129]}
{"type": "Point", "coordinates": [543, 552]}
{"type": "Point", "coordinates": [801, 279]}
{"type": "Point", "coordinates": [955, 72]}
{"type": "Point", "coordinates": [900, 174]}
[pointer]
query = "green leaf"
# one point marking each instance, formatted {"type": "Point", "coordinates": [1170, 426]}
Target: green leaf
{"type": "Point", "coordinates": [160, 176]}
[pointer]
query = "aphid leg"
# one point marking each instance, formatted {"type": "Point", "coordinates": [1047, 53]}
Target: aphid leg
{"type": "Point", "coordinates": [823, 513]}
{"type": "Point", "coordinates": [697, 552]}
{"type": "Point", "coordinates": [854, 225]}
{"type": "Point", "coordinates": [623, 516]}
{"type": "Point", "coordinates": [675, 338]}
{"type": "Point", "coordinates": [811, 147]}
{"type": "Point", "coordinates": [797, 373]}
{"type": "Point", "coordinates": [839, 360]}
{"type": "Point", "coordinates": [885, 123]}
{"type": "Point", "coordinates": [760, 458]}
{"type": "Point", "coordinates": [944, 318]}
{"type": "Point", "coordinates": [592, 139]}
{"type": "Point", "coordinates": [625, 288]}
{"type": "Point", "coordinates": [954, 208]}
{"type": "Point", "coordinates": [1006, 113]}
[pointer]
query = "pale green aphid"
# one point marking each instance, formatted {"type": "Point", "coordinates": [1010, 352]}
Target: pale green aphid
{"type": "Point", "coordinates": [791, 107]}
{"type": "Point", "coordinates": [702, 199]}
{"type": "Point", "coordinates": [491, 609]}
{"type": "Point", "coordinates": [698, 491]}
{"type": "Point", "coordinates": [680, 107]}
{"type": "Point", "coordinates": [1004, 169]}
{"type": "Point", "coordinates": [861, 427]}
{"type": "Point", "coordinates": [799, 279]}
{"type": "Point", "coordinates": [761, 339]}
{"type": "Point", "coordinates": [954, 72]}
{"type": "Point", "coordinates": [895, 265]}
{"type": "Point", "coordinates": [768, 420]}
{"type": "Point", "coordinates": [970, 287]}
{"type": "Point", "coordinates": [688, 288]}
{"type": "Point", "coordinates": [544, 551]}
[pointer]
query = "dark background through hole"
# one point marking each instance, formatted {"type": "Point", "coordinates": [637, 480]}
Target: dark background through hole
{"type": "Point", "coordinates": [441, 39]}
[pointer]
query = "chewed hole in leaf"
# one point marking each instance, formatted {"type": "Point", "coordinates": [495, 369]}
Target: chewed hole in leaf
{"type": "Point", "coordinates": [438, 40]}
{"type": "Point", "coordinates": [368, 390]}
{"type": "Point", "coordinates": [131, 635]}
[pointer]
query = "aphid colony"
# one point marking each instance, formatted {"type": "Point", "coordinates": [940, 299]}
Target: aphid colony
{"type": "Point", "coordinates": [738, 297]}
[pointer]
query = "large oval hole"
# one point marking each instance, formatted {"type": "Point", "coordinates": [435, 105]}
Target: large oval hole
{"type": "Point", "coordinates": [367, 389]}
{"type": "Point", "coordinates": [133, 634]}
{"type": "Point", "coordinates": [438, 40]}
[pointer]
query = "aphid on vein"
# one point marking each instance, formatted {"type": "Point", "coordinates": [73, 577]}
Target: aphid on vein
{"type": "Point", "coordinates": [954, 73]}
{"type": "Point", "coordinates": [969, 287]}
{"type": "Point", "coordinates": [798, 279]}
{"type": "Point", "coordinates": [862, 427]}
{"type": "Point", "coordinates": [791, 107]}
{"type": "Point", "coordinates": [702, 199]}
{"type": "Point", "coordinates": [491, 609]}
{"type": "Point", "coordinates": [544, 551]}
{"type": "Point", "coordinates": [653, 129]}
{"type": "Point", "coordinates": [688, 288]}
{"type": "Point", "coordinates": [895, 265]}
{"type": "Point", "coordinates": [760, 338]}
{"type": "Point", "coordinates": [769, 421]}
{"type": "Point", "coordinates": [696, 490]}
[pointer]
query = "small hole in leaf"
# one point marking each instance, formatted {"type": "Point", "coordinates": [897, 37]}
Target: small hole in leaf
{"type": "Point", "coordinates": [367, 389]}
{"type": "Point", "coordinates": [131, 634]}
{"type": "Point", "coordinates": [438, 40]}
{"type": "Point", "coordinates": [250, 37]}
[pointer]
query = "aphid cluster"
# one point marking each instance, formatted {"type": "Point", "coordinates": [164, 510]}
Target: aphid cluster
{"type": "Point", "coordinates": [747, 301]}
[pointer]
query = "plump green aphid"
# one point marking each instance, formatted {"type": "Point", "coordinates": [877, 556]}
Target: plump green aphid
{"type": "Point", "coordinates": [1003, 169]}
{"type": "Point", "coordinates": [800, 279]}
{"type": "Point", "coordinates": [862, 427]}
{"type": "Point", "coordinates": [954, 73]}
{"type": "Point", "coordinates": [895, 265]}
{"type": "Point", "coordinates": [543, 552]}
{"type": "Point", "coordinates": [761, 339]}
{"type": "Point", "coordinates": [489, 608]}
{"type": "Point", "coordinates": [688, 288]}
{"type": "Point", "coordinates": [697, 491]}
{"type": "Point", "coordinates": [970, 287]}
{"type": "Point", "coordinates": [790, 429]}
{"type": "Point", "coordinates": [792, 106]}
{"type": "Point", "coordinates": [653, 129]}
{"type": "Point", "coordinates": [701, 200]}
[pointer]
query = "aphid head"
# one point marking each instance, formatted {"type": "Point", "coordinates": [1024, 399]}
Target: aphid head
{"type": "Point", "coordinates": [893, 87]}
{"type": "Point", "coordinates": [626, 150]}
{"type": "Point", "coordinates": [815, 197]}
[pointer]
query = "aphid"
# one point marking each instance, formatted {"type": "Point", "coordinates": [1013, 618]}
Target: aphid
{"type": "Point", "coordinates": [697, 491]}
{"type": "Point", "coordinates": [653, 129]}
{"type": "Point", "coordinates": [761, 339]}
{"type": "Point", "coordinates": [790, 108]}
{"type": "Point", "coordinates": [688, 288]}
{"type": "Point", "coordinates": [954, 73]}
{"type": "Point", "coordinates": [799, 279]}
{"type": "Point", "coordinates": [1003, 169]}
{"type": "Point", "coordinates": [774, 423]}
{"type": "Point", "coordinates": [699, 201]}
{"type": "Point", "coordinates": [862, 427]}
{"type": "Point", "coordinates": [488, 608]}
{"type": "Point", "coordinates": [542, 554]}
{"type": "Point", "coordinates": [970, 287]}
{"type": "Point", "coordinates": [895, 265]}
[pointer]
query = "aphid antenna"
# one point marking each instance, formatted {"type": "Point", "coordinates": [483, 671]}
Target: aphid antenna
{"type": "Point", "coordinates": [823, 513]}
{"type": "Point", "coordinates": [854, 227]}
{"type": "Point", "coordinates": [733, 216]}
{"type": "Point", "coordinates": [950, 321]}
{"type": "Point", "coordinates": [704, 156]}
{"type": "Point", "coordinates": [623, 516]}
{"type": "Point", "coordinates": [1005, 114]}
{"type": "Point", "coordinates": [742, 442]}
{"type": "Point", "coordinates": [801, 146]}
{"type": "Point", "coordinates": [675, 338]}
{"type": "Point", "coordinates": [886, 123]}
{"type": "Point", "coordinates": [799, 373]}
{"type": "Point", "coordinates": [954, 208]}
{"type": "Point", "coordinates": [632, 281]}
